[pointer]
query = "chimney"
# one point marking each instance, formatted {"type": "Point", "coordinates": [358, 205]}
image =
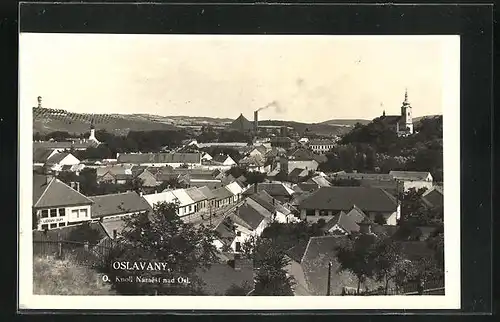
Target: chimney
{"type": "Point", "coordinates": [256, 121]}
{"type": "Point", "coordinates": [77, 184]}
{"type": "Point", "coordinates": [39, 99]}
{"type": "Point", "coordinates": [255, 187]}
{"type": "Point", "coordinates": [114, 233]}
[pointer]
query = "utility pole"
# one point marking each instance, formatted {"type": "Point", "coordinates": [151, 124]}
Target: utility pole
{"type": "Point", "coordinates": [329, 278]}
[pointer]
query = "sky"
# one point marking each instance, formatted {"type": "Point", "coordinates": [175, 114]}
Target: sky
{"type": "Point", "coordinates": [299, 78]}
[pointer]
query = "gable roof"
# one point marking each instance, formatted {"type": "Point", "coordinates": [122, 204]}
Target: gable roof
{"type": "Point", "coordinates": [41, 155]}
{"type": "Point", "coordinates": [207, 192]}
{"type": "Point", "coordinates": [410, 175]}
{"type": "Point", "coordinates": [273, 189]}
{"type": "Point", "coordinates": [195, 194]}
{"type": "Point", "coordinates": [56, 193]}
{"type": "Point", "coordinates": [220, 158]}
{"type": "Point", "coordinates": [298, 172]}
{"type": "Point", "coordinates": [249, 215]}
{"type": "Point", "coordinates": [118, 203]}
{"type": "Point", "coordinates": [345, 222]}
{"type": "Point", "coordinates": [356, 214]}
{"type": "Point", "coordinates": [234, 188]}
{"type": "Point", "coordinates": [433, 197]}
{"type": "Point", "coordinates": [307, 186]}
{"type": "Point", "coordinates": [241, 124]}
{"type": "Point", "coordinates": [222, 193]}
{"type": "Point", "coordinates": [225, 231]}
{"type": "Point", "coordinates": [183, 197]}
{"type": "Point", "coordinates": [58, 157]}
{"type": "Point", "coordinates": [344, 198]}
{"type": "Point", "coordinates": [321, 181]}
{"type": "Point", "coordinates": [165, 196]}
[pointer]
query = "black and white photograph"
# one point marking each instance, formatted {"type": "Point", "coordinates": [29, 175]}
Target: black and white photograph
{"type": "Point", "coordinates": [239, 168]}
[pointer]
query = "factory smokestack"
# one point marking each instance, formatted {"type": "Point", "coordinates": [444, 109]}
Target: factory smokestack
{"type": "Point", "coordinates": [256, 121]}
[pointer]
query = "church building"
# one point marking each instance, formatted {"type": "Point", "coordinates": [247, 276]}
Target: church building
{"type": "Point", "coordinates": [403, 124]}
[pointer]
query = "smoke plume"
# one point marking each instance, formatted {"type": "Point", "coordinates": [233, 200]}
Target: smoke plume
{"type": "Point", "coordinates": [277, 107]}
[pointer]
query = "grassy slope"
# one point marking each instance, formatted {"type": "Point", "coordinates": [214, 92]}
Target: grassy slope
{"type": "Point", "coordinates": [63, 277]}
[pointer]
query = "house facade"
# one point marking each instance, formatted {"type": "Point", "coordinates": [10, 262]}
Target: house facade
{"type": "Point", "coordinates": [329, 201]}
{"type": "Point", "coordinates": [321, 146]}
{"type": "Point", "coordinates": [407, 180]}
{"type": "Point", "coordinates": [57, 205]}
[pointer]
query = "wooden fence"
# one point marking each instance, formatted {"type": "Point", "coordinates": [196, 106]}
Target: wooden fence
{"type": "Point", "coordinates": [81, 253]}
{"type": "Point", "coordinates": [430, 287]}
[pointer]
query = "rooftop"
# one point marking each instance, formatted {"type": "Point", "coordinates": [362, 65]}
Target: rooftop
{"type": "Point", "coordinates": [119, 203]}
{"type": "Point", "coordinates": [344, 198]}
{"type": "Point", "coordinates": [55, 193]}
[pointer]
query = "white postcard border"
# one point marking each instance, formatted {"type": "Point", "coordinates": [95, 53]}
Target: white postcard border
{"type": "Point", "coordinates": [451, 162]}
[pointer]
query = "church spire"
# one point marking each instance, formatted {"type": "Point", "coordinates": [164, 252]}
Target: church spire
{"type": "Point", "coordinates": [406, 97]}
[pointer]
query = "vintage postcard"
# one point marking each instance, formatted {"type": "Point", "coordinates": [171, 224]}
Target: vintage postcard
{"type": "Point", "coordinates": [248, 170]}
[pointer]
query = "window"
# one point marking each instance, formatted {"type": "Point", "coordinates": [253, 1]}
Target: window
{"type": "Point", "coordinates": [62, 224]}
{"type": "Point", "coordinates": [84, 213]}
{"type": "Point", "coordinates": [53, 212]}
{"type": "Point", "coordinates": [238, 233]}
{"type": "Point", "coordinates": [238, 246]}
{"type": "Point", "coordinates": [62, 212]}
{"type": "Point", "coordinates": [53, 226]}
{"type": "Point", "coordinates": [323, 213]}
{"type": "Point", "coordinates": [75, 213]}
{"type": "Point", "coordinates": [45, 227]}
{"type": "Point", "coordinates": [45, 213]}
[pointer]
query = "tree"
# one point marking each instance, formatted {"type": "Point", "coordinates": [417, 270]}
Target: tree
{"type": "Point", "coordinates": [162, 237]}
{"type": "Point", "coordinates": [238, 290]}
{"type": "Point", "coordinates": [272, 278]}
{"type": "Point", "coordinates": [85, 233]}
{"type": "Point", "coordinates": [255, 177]}
{"type": "Point", "coordinates": [388, 261]}
{"type": "Point", "coordinates": [413, 210]}
{"type": "Point", "coordinates": [357, 256]}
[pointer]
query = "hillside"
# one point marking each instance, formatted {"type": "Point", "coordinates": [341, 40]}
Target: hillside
{"type": "Point", "coordinates": [346, 122]}
{"type": "Point", "coordinates": [119, 124]}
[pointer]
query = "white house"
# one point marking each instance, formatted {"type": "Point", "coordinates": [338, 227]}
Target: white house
{"type": "Point", "coordinates": [186, 204]}
{"type": "Point", "coordinates": [224, 160]}
{"type": "Point", "coordinates": [321, 146]}
{"type": "Point", "coordinates": [239, 226]}
{"type": "Point", "coordinates": [412, 179]}
{"type": "Point", "coordinates": [206, 157]}
{"type": "Point", "coordinates": [57, 205]}
{"type": "Point", "coordinates": [235, 189]}
{"type": "Point", "coordinates": [58, 160]}
{"type": "Point", "coordinates": [165, 196]}
{"type": "Point", "coordinates": [327, 202]}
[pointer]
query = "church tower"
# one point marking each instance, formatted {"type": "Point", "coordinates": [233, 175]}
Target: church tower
{"type": "Point", "coordinates": [406, 114]}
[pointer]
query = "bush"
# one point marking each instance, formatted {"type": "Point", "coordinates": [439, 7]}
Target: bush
{"type": "Point", "coordinates": [64, 277]}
